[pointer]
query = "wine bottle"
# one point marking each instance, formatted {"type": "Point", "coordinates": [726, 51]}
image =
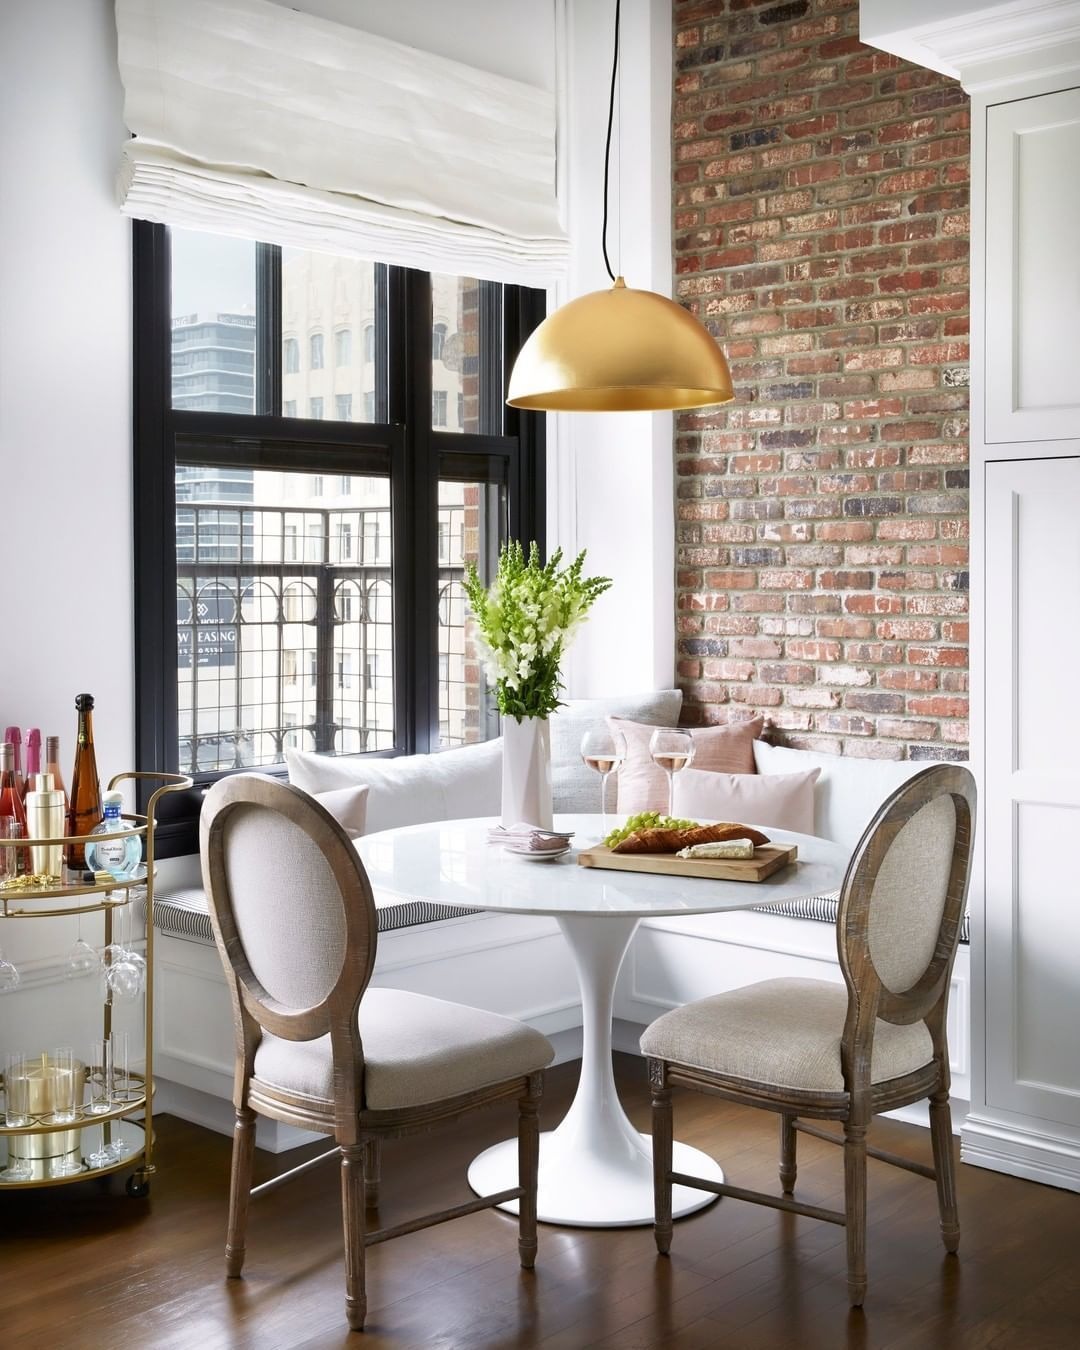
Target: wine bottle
{"type": "Point", "coordinates": [52, 765]}
{"type": "Point", "coordinates": [11, 803]}
{"type": "Point", "coordinates": [33, 760]}
{"type": "Point", "coordinates": [84, 810]}
{"type": "Point", "coordinates": [14, 738]}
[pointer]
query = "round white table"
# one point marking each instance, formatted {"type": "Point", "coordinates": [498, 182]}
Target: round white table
{"type": "Point", "coordinates": [595, 1168]}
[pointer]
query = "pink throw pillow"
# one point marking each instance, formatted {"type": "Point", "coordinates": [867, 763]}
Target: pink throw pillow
{"type": "Point", "coordinates": [783, 801]}
{"type": "Point", "coordinates": [644, 787]}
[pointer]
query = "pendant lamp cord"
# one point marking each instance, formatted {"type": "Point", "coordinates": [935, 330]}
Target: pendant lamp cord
{"type": "Point", "coordinates": [607, 143]}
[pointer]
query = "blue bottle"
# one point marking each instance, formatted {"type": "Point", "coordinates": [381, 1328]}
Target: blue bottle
{"type": "Point", "coordinates": [118, 857]}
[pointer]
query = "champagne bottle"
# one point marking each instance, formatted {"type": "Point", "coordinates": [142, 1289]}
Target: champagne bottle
{"type": "Point", "coordinates": [84, 811]}
{"type": "Point", "coordinates": [11, 804]}
{"type": "Point", "coordinates": [33, 759]}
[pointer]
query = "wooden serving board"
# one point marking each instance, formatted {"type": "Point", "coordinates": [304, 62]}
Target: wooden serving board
{"type": "Point", "coordinates": [767, 859]}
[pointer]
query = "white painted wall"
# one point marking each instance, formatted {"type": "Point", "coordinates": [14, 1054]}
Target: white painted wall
{"type": "Point", "coordinates": [65, 397]}
{"type": "Point", "coordinates": [610, 487]}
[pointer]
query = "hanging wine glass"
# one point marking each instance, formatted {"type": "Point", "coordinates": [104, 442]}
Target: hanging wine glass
{"type": "Point", "coordinates": [9, 975]}
{"type": "Point", "coordinates": [82, 960]}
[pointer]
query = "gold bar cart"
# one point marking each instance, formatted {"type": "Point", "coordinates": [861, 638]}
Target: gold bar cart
{"type": "Point", "coordinates": [126, 1141]}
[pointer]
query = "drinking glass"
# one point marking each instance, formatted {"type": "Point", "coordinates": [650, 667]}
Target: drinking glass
{"type": "Point", "coordinates": [16, 1089]}
{"type": "Point", "coordinates": [9, 975]}
{"type": "Point", "coordinates": [8, 856]}
{"type": "Point", "coordinates": [100, 1077]}
{"type": "Point", "coordinates": [604, 751]}
{"type": "Point", "coordinates": [61, 1066]}
{"type": "Point", "coordinates": [672, 750]}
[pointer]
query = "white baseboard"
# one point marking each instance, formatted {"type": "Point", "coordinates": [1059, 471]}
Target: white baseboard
{"type": "Point", "coordinates": [1036, 1155]}
{"type": "Point", "coordinates": [216, 1113]}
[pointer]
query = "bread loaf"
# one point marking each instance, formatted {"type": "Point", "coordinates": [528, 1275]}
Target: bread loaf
{"type": "Point", "coordinates": [671, 841]}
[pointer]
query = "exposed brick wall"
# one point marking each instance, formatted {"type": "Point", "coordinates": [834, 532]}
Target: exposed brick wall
{"type": "Point", "coordinates": [821, 233]}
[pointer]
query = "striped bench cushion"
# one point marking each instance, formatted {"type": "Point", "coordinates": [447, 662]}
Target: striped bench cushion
{"type": "Point", "coordinates": [824, 907]}
{"type": "Point", "coordinates": [184, 914]}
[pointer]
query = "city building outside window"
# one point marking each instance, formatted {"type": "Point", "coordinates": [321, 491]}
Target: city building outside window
{"type": "Point", "coordinates": [291, 356]}
{"type": "Point", "coordinates": [288, 408]}
{"type": "Point", "coordinates": [438, 341]}
{"type": "Point", "coordinates": [343, 407]}
{"type": "Point", "coordinates": [316, 345]}
{"type": "Point", "coordinates": [438, 407]}
{"type": "Point", "coordinates": [343, 347]}
{"type": "Point", "coordinates": [369, 343]}
{"type": "Point", "coordinates": [315, 408]}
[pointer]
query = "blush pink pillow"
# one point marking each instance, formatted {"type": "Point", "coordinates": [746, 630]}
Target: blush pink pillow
{"type": "Point", "coordinates": [644, 787]}
{"type": "Point", "coordinates": [783, 801]}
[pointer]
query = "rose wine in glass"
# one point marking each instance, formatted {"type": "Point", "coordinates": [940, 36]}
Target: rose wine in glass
{"type": "Point", "coordinates": [603, 751]}
{"type": "Point", "coordinates": [672, 750]}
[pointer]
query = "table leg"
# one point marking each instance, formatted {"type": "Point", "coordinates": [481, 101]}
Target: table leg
{"type": "Point", "coordinates": [595, 1168]}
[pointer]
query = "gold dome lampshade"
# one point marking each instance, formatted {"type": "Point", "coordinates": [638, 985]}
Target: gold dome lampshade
{"type": "Point", "coordinates": [620, 350]}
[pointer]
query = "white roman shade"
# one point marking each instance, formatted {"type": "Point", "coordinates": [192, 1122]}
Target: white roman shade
{"type": "Point", "coordinates": [255, 120]}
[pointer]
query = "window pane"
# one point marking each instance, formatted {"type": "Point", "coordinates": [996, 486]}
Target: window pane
{"type": "Point", "coordinates": [331, 314]}
{"type": "Point", "coordinates": [213, 322]}
{"type": "Point", "coordinates": [284, 591]}
{"type": "Point", "coordinates": [466, 355]}
{"type": "Point", "coordinates": [472, 525]}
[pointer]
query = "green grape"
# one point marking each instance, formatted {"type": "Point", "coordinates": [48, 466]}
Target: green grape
{"type": "Point", "coordinates": [646, 820]}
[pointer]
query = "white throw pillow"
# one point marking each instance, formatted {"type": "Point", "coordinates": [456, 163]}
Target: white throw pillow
{"type": "Point", "coordinates": [784, 801]}
{"type": "Point", "coordinates": [348, 806]}
{"type": "Point", "coordinates": [412, 789]}
{"type": "Point", "coordinates": [576, 787]}
{"type": "Point", "coordinates": [849, 791]}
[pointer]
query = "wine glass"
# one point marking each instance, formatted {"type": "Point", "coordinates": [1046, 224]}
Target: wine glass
{"type": "Point", "coordinates": [672, 750]}
{"type": "Point", "coordinates": [81, 959]}
{"type": "Point", "coordinates": [9, 975]}
{"type": "Point", "coordinates": [604, 751]}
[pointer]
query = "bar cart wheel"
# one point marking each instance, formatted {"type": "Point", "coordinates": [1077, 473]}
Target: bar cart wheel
{"type": "Point", "coordinates": [137, 1185]}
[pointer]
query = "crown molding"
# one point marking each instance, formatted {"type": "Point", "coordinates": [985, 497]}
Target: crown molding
{"type": "Point", "coordinates": [981, 45]}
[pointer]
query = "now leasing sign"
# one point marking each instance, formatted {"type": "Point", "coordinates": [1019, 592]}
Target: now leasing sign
{"type": "Point", "coordinates": [209, 628]}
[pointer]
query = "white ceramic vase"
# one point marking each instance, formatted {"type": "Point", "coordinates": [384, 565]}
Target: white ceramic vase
{"type": "Point", "coordinates": [526, 772]}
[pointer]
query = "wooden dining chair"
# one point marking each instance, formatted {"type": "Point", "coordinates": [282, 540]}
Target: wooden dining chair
{"type": "Point", "coordinates": [811, 1048]}
{"type": "Point", "coordinates": [295, 923]}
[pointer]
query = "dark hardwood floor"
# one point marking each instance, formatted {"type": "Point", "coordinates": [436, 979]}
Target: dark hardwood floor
{"type": "Point", "coordinates": [85, 1266]}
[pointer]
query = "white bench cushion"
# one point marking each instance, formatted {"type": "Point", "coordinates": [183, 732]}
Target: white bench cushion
{"type": "Point", "coordinates": [410, 789]}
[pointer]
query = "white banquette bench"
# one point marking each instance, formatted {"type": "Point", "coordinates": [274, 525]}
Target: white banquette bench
{"type": "Point", "coordinates": [516, 965]}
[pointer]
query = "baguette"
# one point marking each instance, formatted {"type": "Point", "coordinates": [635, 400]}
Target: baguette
{"type": "Point", "coordinates": [671, 841]}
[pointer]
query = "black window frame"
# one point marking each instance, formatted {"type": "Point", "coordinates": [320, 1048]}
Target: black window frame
{"type": "Point", "coordinates": [404, 445]}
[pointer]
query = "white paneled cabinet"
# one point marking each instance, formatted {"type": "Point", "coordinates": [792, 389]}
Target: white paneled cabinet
{"type": "Point", "coordinates": [1031, 801]}
{"type": "Point", "coordinates": [1032, 268]}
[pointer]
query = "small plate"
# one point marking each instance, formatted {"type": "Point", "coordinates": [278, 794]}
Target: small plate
{"type": "Point", "coordinates": [536, 856]}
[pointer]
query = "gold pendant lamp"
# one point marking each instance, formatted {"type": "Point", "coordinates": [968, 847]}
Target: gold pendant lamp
{"type": "Point", "coordinates": [619, 350]}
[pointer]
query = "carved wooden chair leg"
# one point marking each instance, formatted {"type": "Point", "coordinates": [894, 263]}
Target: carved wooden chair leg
{"type": "Point", "coordinates": [855, 1209]}
{"type": "Point", "coordinates": [942, 1140]}
{"type": "Point", "coordinates": [528, 1170]}
{"type": "Point", "coordinates": [662, 1155]}
{"type": "Point", "coordinates": [352, 1209]}
{"type": "Point", "coordinates": [788, 1168]}
{"type": "Point", "coordinates": [243, 1154]}
{"type": "Point", "coordinates": [372, 1171]}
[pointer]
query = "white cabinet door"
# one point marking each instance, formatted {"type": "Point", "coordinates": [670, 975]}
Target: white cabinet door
{"type": "Point", "coordinates": [1033, 268]}
{"type": "Point", "coordinates": [1031, 802]}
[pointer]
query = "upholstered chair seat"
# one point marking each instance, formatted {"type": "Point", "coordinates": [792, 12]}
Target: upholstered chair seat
{"type": "Point", "coordinates": [416, 1050]}
{"type": "Point", "coordinates": [786, 1033]}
